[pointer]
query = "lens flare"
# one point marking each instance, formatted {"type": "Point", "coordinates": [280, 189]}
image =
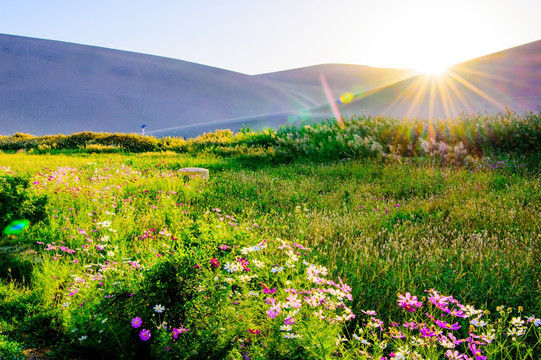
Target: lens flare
{"type": "Point", "coordinates": [346, 97]}
{"type": "Point", "coordinates": [332, 102]}
{"type": "Point", "coordinates": [16, 227]}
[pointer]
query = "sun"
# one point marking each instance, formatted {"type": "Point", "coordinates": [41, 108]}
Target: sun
{"type": "Point", "coordinates": [432, 69]}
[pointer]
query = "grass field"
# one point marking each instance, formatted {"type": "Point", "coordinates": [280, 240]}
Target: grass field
{"type": "Point", "coordinates": [273, 257]}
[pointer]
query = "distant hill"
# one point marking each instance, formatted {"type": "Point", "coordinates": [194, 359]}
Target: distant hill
{"type": "Point", "coordinates": [50, 87]}
{"type": "Point", "coordinates": [506, 79]}
{"type": "Point", "coordinates": [55, 87]}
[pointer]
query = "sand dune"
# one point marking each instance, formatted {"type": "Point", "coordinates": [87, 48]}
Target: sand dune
{"type": "Point", "coordinates": [49, 87]}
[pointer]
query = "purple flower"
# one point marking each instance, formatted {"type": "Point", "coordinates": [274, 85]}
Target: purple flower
{"type": "Point", "coordinates": [426, 332]}
{"type": "Point", "coordinates": [177, 332]}
{"type": "Point", "coordinates": [136, 322]}
{"type": "Point", "coordinates": [144, 334]}
{"type": "Point", "coordinates": [476, 352]}
{"type": "Point", "coordinates": [289, 321]}
{"type": "Point", "coordinates": [446, 325]}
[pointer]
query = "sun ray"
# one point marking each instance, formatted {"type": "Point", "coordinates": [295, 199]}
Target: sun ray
{"type": "Point", "coordinates": [444, 96]}
{"type": "Point", "coordinates": [402, 97]}
{"type": "Point", "coordinates": [416, 100]}
{"type": "Point", "coordinates": [476, 90]}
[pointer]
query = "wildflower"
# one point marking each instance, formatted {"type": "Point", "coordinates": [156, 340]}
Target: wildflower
{"type": "Point", "coordinates": [476, 352]}
{"type": "Point", "coordinates": [177, 332]}
{"type": "Point", "coordinates": [426, 332]}
{"type": "Point", "coordinates": [277, 269]}
{"type": "Point", "coordinates": [159, 308]}
{"type": "Point", "coordinates": [285, 328]}
{"type": "Point", "coordinates": [409, 302]}
{"type": "Point", "coordinates": [289, 320]}
{"type": "Point", "coordinates": [477, 323]}
{"type": "Point", "coordinates": [291, 336]}
{"type": "Point", "coordinates": [104, 224]}
{"type": "Point", "coordinates": [258, 264]}
{"type": "Point", "coordinates": [446, 325]}
{"type": "Point", "coordinates": [269, 291]}
{"type": "Point", "coordinates": [454, 355]}
{"type": "Point", "coordinates": [537, 322]}
{"type": "Point", "coordinates": [274, 311]}
{"type": "Point", "coordinates": [254, 331]}
{"type": "Point", "coordinates": [415, 341]}
{"type": "Point", "coordinates": [82, 338]}
{"type": "Point", "coordinates": [517, 322]}
{"type": "Point", "coordinates": [136, 322]}
{"type": "Point", "coordinates": [369, 312]}
{"type": "Point", "coordinates": [196, 266]}
{"type": "Point", "coordinates": [214, 262]}
{"type": "Point", "coordinates": [223, 247]}
{"type": "Point", "coordinates": [319, 314]}
{"type": "Point", "coordinates": [144, 334]}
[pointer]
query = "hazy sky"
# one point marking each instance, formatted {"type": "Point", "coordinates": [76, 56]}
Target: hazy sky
{"type": "Point", "coordinates": [257, 36]}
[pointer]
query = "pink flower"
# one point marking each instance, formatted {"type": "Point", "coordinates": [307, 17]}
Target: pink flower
{"type": "Point", "coordinates": [144, 334]}
{"type": "Point", "coordinates": [254, 331]}
{"type": "Point", "coordinates": [409, 302]}
{"type": "Point", "coordinates": [274, 311]}
{"type": "Point", "coordinates": [455, 355]}
{"type": "Point", "coordinates": [214, 262]}
{"type": "Point", "coordinates": [369, 312]}
{"type": "Point", "coordinates": [136, 322]}
{"type": "Point", "coordinates": [177, 332]}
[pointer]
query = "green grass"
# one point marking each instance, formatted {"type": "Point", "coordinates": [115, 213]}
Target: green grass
{"type": "Point", "coordinates": [384, 226]}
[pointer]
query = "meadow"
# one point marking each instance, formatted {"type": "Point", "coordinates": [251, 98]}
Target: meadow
{"type": "Point", "coordinates": [387, 239]}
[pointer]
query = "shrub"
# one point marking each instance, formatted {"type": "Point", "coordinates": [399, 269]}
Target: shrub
{"type": "Point", "coordinates": [17, 202]}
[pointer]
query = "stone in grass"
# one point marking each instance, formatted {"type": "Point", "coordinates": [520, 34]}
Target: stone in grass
{"type": "Point", "coordinates": [192, 172]}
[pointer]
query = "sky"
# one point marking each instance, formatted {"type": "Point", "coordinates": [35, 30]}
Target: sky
{"type": "Point", "coordinates": [256, 36]}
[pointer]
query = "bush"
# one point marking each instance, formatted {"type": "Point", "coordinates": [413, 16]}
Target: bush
{"type": "Point", "coordinates": [17, 202]}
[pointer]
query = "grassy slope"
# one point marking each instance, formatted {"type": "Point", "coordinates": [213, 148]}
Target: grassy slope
{"type": "Point", "coordinates": [475, 235]}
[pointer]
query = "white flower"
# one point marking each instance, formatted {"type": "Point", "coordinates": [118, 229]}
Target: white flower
{"type": "Point", "coordinates": [285, 327]}
{"type": "Point", "coordinates": [104, 224]}
{"type": "Point", "coordinates": [245, 278]}
{"type": "Point", "coordinates": [277, 269]}
{"type": "Point", "coordinates": [517, 321]}
{"type": "Point", "coordinates": [477, 323]}
{"type": "Point", "coordinates": [228, 268]}
{"type": "Point", "coordinates": [82, 338]}
{"type": "Point", "coordinates": [537, 322]}
{"type": "Point", "coordinates": [291, 336]}
{"type": "Point", "coordinates": [110, 254]}
{"type": "Point", "coordinates": [159, 308]}
{"type": "Point", "coordinates": [258, 264]}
